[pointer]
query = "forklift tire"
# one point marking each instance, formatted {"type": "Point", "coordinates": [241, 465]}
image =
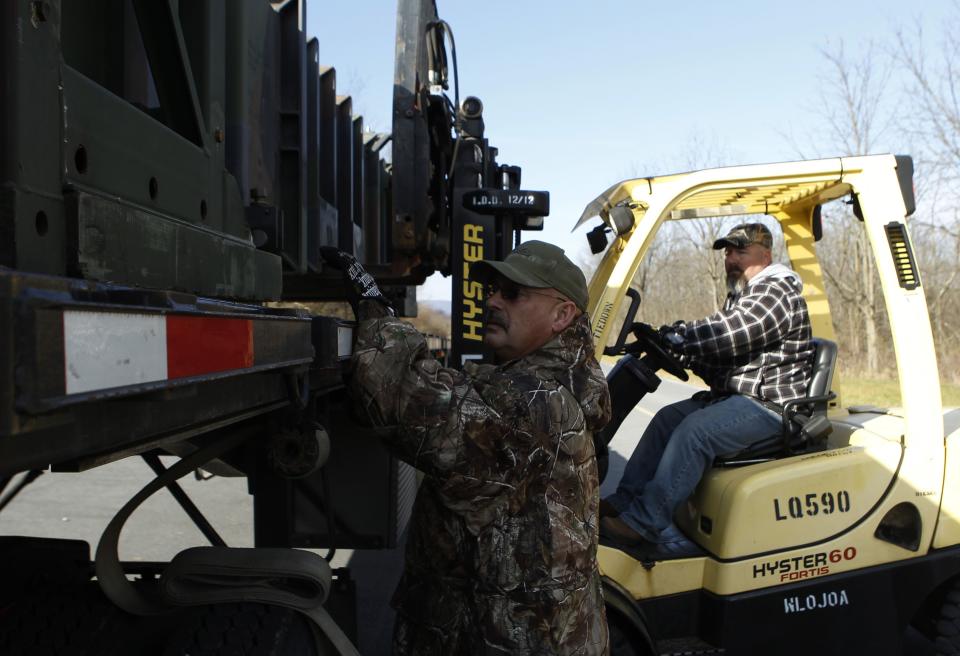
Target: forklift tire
{"type": "Point", "coordinates": [243, 628]}
{"type": "Point", "coordinates": [621, 638]}
{"type": "Point", "coordinates": [947, 623]}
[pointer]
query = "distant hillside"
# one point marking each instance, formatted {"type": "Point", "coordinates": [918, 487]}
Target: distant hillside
{"type": "Point", "coordinates": [433, 317]}
{"type": "Point", "coordinates": [443, 307]}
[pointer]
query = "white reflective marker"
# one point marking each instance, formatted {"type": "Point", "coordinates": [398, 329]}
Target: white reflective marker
{"type": "Point", "coordinates": [112, 349]}
{"type": "Point", "coordinates": [344, 341]}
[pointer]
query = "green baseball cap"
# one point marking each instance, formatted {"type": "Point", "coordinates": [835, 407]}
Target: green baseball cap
{"type": "Point", "coordinates": [539, 265]}
{"type": "Point", "coordinates": [745, 234]}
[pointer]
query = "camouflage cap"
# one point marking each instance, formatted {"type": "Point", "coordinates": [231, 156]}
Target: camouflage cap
{"type": "Point", "coordinates": [538, 264]}
{"type": "Point", "coordinates": [745, 234]}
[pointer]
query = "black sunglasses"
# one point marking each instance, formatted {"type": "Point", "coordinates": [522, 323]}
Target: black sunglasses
{"type": "Point", "coordinates": [510, 291]}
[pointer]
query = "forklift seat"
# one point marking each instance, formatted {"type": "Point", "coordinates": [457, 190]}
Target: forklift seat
{"type": "Point", "coordinates": [805, 423]}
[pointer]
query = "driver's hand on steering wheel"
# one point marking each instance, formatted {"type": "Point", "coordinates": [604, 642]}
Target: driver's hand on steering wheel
{"type": "Point", "coordinates": [670, 337]}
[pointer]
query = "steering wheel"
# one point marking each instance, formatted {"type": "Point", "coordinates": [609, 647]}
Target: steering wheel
{"type": "Point", "coordinates": [649, 342]}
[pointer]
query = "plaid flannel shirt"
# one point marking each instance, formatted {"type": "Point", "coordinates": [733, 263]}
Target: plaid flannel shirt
{"type": "Point", "coordinates": [758, 345]}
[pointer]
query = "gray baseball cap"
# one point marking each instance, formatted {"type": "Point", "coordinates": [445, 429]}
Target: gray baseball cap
{"type": "Point", "coordinates": [539, 265]}
{"type": "Point", "coordinates": [745, 234]}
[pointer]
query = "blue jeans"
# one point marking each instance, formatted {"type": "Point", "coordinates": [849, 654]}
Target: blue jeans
{"type": "Point", "coordinates": [678, 446]}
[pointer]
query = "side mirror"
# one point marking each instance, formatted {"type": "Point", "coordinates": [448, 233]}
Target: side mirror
{"type": "Point", "coordinates": [905, 178]}
{"type": "Point", "coordinates": [621, 217]}
{"type": "Point", "coordinates": [597, 238]}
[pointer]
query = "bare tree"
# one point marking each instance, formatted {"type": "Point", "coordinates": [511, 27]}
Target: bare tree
{"type": "Point", "coordinates": [709, 265]}
{"type": "Point", "coordinates": [680, 276]}
{"type": "Point", "coordinates": [853, 99]}
{"type": "Point", "coordinates": [695, 237]}
{"type": "Point", "coordinates": [933, 123]}
{"type": "Point", "coordinates": [854, 110]}
{"type": "Point", "coordinates": [934, 89]}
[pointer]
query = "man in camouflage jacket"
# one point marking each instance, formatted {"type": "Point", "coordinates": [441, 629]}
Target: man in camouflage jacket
{"type": "Point", "coordinates": [501, 553]}
{"type": "Point", "coordinates": [756, 354]}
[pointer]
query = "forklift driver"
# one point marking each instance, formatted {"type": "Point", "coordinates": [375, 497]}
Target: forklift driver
{"type": "Point", "coordinates": [755, 354]}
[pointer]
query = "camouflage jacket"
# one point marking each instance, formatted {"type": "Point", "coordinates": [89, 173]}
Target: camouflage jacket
{"type": "Point", "coordinates": [501, 552]}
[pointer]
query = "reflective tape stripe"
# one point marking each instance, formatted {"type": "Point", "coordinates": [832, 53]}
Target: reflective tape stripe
{"type": "Point", "coordinates": [104, 350]}
{"type": "Point", "coordinates": [112, 349]}
{"type": "Point", "coordinates": [344, 341]}
{"type": "Point", "coordinates": [201, 345]}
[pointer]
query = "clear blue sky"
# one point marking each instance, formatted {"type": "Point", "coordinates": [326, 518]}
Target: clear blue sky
{"type": "Point", "coordinates": [582, 94]}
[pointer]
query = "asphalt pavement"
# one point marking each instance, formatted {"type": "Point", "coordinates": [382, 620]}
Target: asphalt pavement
{"type": "Point", "coordinates": [623, 443]}
{"type": "Point", "coordinates": [79, 506]}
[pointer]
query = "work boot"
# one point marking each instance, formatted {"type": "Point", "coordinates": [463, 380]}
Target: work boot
{"type": "Point", "coordinates": [616, 529]}
{"type": "Point", "coordinates": [673, 544]}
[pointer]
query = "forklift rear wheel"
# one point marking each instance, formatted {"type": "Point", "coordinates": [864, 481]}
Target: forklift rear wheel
{"type": "Point", "coordinates": [948, 621]}
{"type": "Point", "coordinates": [622, 640]}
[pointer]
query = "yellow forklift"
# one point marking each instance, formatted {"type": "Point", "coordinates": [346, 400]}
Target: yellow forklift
{"type": "Point", "coordinates": [837, 535]}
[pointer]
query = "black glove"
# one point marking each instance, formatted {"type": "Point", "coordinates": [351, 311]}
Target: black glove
{"type": "Point", "coordinates": [671, 336]}
{"type": "Point", "coordinates": [361, 286]}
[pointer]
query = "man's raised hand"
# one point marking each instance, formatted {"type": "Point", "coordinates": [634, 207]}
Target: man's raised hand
{"type": "Point", "coordinates": [361, 286]}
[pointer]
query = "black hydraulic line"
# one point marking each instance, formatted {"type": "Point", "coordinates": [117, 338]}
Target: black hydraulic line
{"type": "Point", "coordinates": [445, 28]}
{"type": "Point", "coordinates": [31, 476]}
{"type": "Point", "coordinates": [331, 517]}
{"type": "Point", "coordinates": [317, 500]}
{"type": "Point", "coordinates": [456, 72]}
{"type": "Point", "coordinates": [188, 506]}
{"type": "Point", "coordinates": [328, 505]}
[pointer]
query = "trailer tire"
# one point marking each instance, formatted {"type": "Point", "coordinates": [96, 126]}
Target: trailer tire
{"type": "Point", "coordinates": [69, 619]}
{"type": "Point", "coordinates": [947, 623]}
{"type": "Point", "coordinates": [250, 629]}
